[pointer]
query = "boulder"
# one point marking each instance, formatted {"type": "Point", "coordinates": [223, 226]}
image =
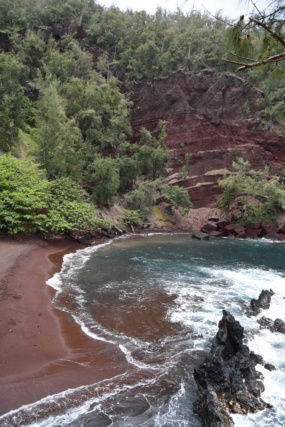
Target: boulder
{"type": "Point", "coordinates": [274, 326]}
{"type": "Point", "coordinates": [222, 224]}
{"type": "Point", "coordinates": [269, 367]}
{"type": "Point", "coordinates": [215, 233]}
{"type": "Point", "coordinates": [230, 228]}
{"type": "Point", "coordinates": [242, 235]}
{"type": "Point", "coordinates": [199, 235]}
{"type": "Point", "coordinates": [255, 225]}
{"type": "Point", "coordinates": [279, 326]}
{"type": "Point", "coordinates": [263, 301]}
{"type": "Point", "coordinates": [269, 227]}
{"type": "Point", "coordinates": [207, 228]}
{"type": "Point", "coordinates": [227, 380]}
{"type": "Point", "coordinates": [281, 228]}
{"type": "Point", "coordinates": [281, 237]}
{"type": "Point", "coordinates": [239, 230]}
{"type": "Point", "coordinates": [265, 323]}
{"type": "Point", "coordinates": [237, 211]}
{"type": "Point", "coordinates": [253, 233]}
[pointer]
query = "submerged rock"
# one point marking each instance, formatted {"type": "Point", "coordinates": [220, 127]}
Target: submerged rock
{"type": "Point", "coordinates": [227, 380]}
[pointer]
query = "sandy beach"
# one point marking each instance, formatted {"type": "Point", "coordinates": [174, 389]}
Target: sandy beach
{"type": "Point", "coordinates": [43, 351]}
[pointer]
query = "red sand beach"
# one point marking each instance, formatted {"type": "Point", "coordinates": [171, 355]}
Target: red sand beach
{"type": "Point", "coordinates": [43, 351]}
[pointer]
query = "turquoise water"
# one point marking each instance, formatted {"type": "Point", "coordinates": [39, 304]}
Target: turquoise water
{"type": "Point", "coordinates": [158, 299]}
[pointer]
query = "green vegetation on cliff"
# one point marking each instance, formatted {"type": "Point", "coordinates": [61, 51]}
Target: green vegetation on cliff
{"type": "Point", "coordinates": [63, 71]}
{"type": "Point", "coordinates": [267, 192]}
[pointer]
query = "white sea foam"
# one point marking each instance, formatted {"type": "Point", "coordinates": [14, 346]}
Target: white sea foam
{"type": "Point", "coordinates": [136, 362]}
{"type": "Point", "coordinates": [71, 403]}
{"type": "Point", "coordinates": [73, 262]}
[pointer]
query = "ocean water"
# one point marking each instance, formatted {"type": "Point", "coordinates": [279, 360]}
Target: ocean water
{"type": "Point", "coordinates": [158, 299]}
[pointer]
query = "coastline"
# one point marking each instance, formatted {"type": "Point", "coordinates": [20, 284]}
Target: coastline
{"type": "Point", "coordinates": [43, 350]}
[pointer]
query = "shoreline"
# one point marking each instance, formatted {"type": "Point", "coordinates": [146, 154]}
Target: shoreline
{"type": "Point", "coordinates": [43, 350]}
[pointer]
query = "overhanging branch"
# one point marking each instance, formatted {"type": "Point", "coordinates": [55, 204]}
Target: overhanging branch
{"type": "Point", "coordinates": [269, 29]}
{"type": "Point", "coordinates": [258, 63]}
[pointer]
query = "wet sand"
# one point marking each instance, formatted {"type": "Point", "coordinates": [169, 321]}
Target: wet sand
{"type": "Point", "coordinates": [43, 351]}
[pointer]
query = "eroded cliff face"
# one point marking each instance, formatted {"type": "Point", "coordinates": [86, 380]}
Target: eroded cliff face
{"type": "Point", "coordinates": [216, 118]}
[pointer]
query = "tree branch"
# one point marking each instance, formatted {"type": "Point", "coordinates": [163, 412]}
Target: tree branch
{"type": "Point", "coordinates": [280, 9]}
{"type": "Point", "coordinates": [274, 58]}
{"type": "Point", "coordinates": [269, 29]}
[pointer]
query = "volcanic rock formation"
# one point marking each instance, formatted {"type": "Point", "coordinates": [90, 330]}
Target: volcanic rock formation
{"type": "Point", "coordinates": [227, 380]}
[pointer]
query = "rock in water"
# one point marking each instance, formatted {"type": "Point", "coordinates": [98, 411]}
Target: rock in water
{"type": "Point", "coordinates": [277, 326]}
{"type": "Point", "coordinates": [263, 301]}
{"type": "Point", "coordinates": [227, 380]}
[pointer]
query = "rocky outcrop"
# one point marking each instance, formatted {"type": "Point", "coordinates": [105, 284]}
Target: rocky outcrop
{"type": "Point", "coordinates": [274, 326]}
{"type": "Point", "coordinates": [263, 301]}
{"type": "Point", "coordinates": [227, 380]}
{"type": "Point", "coordinates": [253, 230]}
{"type": "Point", "coordinates": [103, 232]}
{"type": "Point", "coordinates": [216, 117]}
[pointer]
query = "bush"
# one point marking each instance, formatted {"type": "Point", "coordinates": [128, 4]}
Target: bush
{"type": "Point", "coordinates": [30, 203]}
{"type": "Point", "coordinates": [131, 217]}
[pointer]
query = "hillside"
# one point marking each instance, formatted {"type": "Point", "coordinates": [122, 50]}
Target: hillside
{"type": "Point", "coordinates": [130, 110]}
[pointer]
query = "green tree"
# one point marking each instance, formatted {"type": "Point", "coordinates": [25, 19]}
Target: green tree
{"type": "Point", "coordinates": [12, 99]}
{"type": "Point", "coordinates": [104, 118]}
{"type": "Point", "coordinates": [59, 139]}
{"type": "Point", "coordinates": [127, 167]}
{"type": "Point", "coordinates": [107, 28]}
{"type": "Point", "coordinates": [143, 197]}
{"type": "Point", "coordinates": [67, 62]}
{"type": "Point", "coordinates": [29, 50]}
{"type": "Point", "coordinates": [103, 180]}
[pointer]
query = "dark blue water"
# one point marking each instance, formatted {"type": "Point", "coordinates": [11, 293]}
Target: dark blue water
{"type": "Point", "coordinates": [158, 299]}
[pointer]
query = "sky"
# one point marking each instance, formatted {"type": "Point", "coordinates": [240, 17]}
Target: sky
{"type": "Point", "coordinates": [230, 8]}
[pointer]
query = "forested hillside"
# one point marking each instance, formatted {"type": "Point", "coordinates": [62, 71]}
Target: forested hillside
{"type": "Point", "coordinates": [67, 69]}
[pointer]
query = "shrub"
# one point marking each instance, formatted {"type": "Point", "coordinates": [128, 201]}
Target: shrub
{"type": "Point", "coordinates": [30, 203]}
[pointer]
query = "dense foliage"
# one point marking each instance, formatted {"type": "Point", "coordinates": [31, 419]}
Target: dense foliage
{"type": "Point", "coordinates": [31, 203]}
{"type": "Point", "coordinates": [69, 103]}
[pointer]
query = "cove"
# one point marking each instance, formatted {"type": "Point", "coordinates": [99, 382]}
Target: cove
{"type": "Point", "coordinates": [156, 300]}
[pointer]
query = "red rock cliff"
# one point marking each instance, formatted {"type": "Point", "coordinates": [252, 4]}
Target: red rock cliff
{"type": "Point", "coordinates": [216, 117]}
